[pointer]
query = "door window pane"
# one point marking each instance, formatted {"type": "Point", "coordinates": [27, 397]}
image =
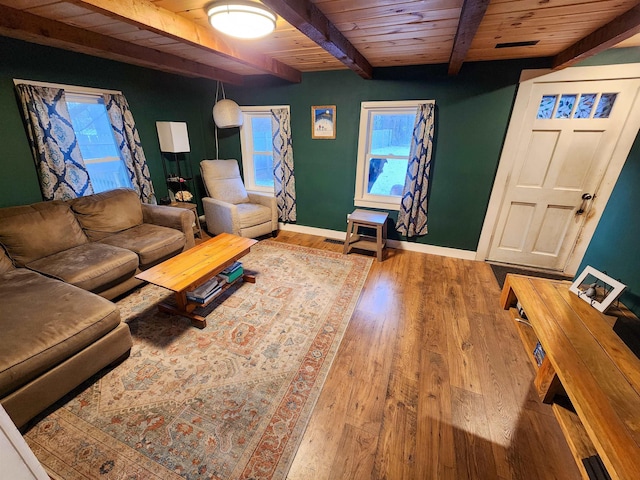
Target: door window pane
{"type": "Point", "coordinates": [605, 105]}
{"type": "Point", "coordinates": [565, 106]}
{"type": "Point", "coordinates": [545, 110]}
{"type": "Point", "coordinates": [585, 105]}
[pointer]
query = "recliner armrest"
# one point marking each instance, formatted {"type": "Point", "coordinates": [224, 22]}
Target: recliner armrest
{"type": "Point", "coordinates": [172, 217]}
{"type": "Point", "coordinates": [269, 201]}
{"type": "Point", "coordinates": [220, 216]}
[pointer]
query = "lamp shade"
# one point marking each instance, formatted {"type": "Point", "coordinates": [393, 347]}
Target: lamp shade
{"type": "Point", "coordinates": [173, 137]}
{"type": "Point", "coordinates": [227, 114]}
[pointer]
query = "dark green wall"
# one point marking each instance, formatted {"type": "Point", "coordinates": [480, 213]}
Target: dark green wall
{"type": "Point", "coordinates": [614, 248]}
{"type": "Point", "coordinates": [472, 113]}
{"type": "Point", "coordinates": [153, 96]}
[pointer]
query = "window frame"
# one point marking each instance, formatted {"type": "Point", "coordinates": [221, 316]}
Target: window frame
{"type": "Point", "coordinates": [246, 144]}
{"type": "Point", "coordinates": [80, 94]}
{"type": "Point", "coordinates": [367, 110]}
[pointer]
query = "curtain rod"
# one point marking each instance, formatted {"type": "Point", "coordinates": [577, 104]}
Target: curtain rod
{"type": "Point", "coordinates": [69, 88]}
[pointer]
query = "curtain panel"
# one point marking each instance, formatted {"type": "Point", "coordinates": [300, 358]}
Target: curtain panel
{"type": "Point", "coordinates": [284, 181]}
{"type": "Point", "coordinates": [61, 170]}
{"type": "Point", "coordinates": [128, 142]}
{"type": "Point", "coordinates": [412, 216]}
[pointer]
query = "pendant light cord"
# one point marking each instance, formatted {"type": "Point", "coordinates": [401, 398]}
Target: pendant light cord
{"type": "Point", "coordinates": [215, 127]}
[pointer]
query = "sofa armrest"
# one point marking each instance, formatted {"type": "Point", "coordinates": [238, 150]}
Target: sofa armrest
{"type": "Point", "coordinates": [268, 201]}
{"type": "Point", "coordinates": [221, 216]}
{"type": "Point", "coordinates": [165, 216]}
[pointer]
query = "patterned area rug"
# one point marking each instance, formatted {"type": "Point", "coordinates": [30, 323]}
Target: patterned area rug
{"type": "Point", "coordinates": [230, 401]}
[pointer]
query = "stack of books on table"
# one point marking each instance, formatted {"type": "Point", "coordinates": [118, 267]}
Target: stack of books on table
{"type": "Point", "coordinates": [232, 272]}
{"type": "Point", "coordinates": [206, 291]}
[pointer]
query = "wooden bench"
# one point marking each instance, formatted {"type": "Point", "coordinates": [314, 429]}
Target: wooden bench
{"type": "Point", "coordinates": [588, 374]}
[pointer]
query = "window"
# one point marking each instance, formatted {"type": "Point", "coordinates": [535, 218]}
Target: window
{"type": "Point", "coordinates": [97, 145]}
{"type": "Point", "coordinates": [383, 152]}
{"type": "Point", "coordinates": [257, 148]}
{"type": "Point", "coordinates": [564, 106]}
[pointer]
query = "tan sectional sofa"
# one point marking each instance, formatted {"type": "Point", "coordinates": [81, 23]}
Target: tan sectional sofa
{"type": "Point", "coordinates": [60, 262]}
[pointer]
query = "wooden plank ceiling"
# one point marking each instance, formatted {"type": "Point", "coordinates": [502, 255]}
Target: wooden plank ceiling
{"type": "Point", "coordinates": [318, 35]}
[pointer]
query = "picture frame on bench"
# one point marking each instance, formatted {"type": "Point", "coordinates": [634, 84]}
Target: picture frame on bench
{"type": "Point", "coordinates": [596, 288]}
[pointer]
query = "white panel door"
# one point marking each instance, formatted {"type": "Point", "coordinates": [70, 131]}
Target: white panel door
{"type": "Point", "coordinates": [565, 144]}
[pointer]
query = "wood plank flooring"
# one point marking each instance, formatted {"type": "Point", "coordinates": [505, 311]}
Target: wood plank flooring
{"type": "Point", "coordinates": [430, 382]}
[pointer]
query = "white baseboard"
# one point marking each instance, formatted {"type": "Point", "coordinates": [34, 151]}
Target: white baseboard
{"type": "Point", "coordinates": [400, 245]}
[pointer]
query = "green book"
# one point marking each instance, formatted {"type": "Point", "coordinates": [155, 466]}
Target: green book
{"type": "Point", "coordinates": [233, 276]}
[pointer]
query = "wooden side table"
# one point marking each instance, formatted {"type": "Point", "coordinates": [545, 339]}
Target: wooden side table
{"type": "Point", "coordinates": [197, 230]}
{"type": "Point", "coordinates": [584, 369]}
{"type": "Point", "coordinates": [367, 219]}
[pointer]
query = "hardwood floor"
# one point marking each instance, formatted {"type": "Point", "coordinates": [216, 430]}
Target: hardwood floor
{"type": "Point", "coordinates": [430, 382]}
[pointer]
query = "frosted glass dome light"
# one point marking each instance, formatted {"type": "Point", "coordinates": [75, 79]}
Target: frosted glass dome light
{"type": "Point", "coordinates": [241, 19]}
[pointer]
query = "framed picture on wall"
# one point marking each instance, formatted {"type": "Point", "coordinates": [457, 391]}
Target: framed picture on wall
{"type": "Point", "coordinates": [596, 288]}
{"type": "Point", "coordinates": [323, 122]}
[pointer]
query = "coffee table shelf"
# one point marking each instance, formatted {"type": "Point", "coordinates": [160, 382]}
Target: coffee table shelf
{"type": "Point", "coordinates": [192, 268]}
{"type": "Point", "coordinates": [244, 278]}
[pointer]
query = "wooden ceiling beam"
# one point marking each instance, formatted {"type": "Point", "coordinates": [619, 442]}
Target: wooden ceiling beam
{"type": "Point", "coordinates": [470, 17]}
{"type": "Point", "coordinates": [307, 18]}
{"type": "Point", "coordinates": [33, 28]}
{"type": "Point", "coordinates": [614, 32]}
{"type": "Point", "coordinates": [148, 16]}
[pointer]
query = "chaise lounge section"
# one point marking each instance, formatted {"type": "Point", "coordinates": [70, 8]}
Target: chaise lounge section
{"type": "Point", "coordinates": [60, 264]}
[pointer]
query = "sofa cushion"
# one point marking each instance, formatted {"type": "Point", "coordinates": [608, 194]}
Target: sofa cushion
{"type": "Point", "coordinates": [252, 214]}
{"type": "Point", "coordinates": [92, 266]}
{"type": "Point", "coordinates": [44, 322]}
{"type": "Point", "coordinates": [106, 213]}
{"type": "Point", "coordinates": [30, 232]}
{"type": "Point", "coordinates": [152, 243]}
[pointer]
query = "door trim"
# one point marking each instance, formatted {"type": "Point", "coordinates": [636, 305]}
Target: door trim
{"type": "Point", "coordinates": [574, 74]}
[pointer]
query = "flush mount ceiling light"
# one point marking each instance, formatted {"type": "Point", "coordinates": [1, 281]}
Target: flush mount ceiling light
{"type": "Point", "coordinates": [241, 19]}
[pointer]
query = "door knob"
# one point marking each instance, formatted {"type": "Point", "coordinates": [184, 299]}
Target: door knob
{"type": "Point", "coordinates": [585, 198]}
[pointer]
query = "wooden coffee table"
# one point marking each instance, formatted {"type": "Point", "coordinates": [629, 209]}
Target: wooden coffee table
{"type": "Point", "coordinates": [192, 268]}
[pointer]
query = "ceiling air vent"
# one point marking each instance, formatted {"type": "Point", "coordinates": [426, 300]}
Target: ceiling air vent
{"type": "Point", "coordinates": [517, 44]}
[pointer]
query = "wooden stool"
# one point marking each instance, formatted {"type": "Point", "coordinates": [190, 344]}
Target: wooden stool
{"type": "Point", "coordinates": [367, 219]}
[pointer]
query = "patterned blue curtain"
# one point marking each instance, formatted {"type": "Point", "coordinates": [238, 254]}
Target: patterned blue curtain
{"type": "Point", "coordinates": [284, 181]}
{"type": "Point", "coordinates": [412, 217]}
{"type": "Point", "coordinates": [128, 141]}
{"type": "Point", "coordinates": [59, 163]}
